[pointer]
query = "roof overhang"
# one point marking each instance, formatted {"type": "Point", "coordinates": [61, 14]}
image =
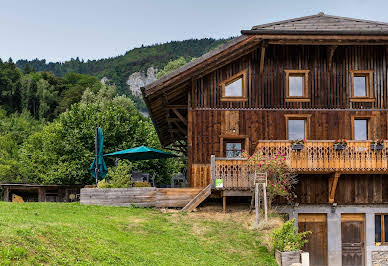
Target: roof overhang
{"type": "Point", "coordinates": [312, 32]}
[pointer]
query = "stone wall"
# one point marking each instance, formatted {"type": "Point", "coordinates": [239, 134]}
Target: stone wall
{"type": "Point", "coordinates": [380, 258]}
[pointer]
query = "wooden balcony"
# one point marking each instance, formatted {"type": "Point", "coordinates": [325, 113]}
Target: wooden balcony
{"type": "Point", "coordinates": [320, 156]}
{"type": "Point", "coordinates": [315, 157]}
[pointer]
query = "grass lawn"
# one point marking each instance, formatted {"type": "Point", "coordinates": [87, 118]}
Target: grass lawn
{"type": "Point", "coordinates": [57, 233]}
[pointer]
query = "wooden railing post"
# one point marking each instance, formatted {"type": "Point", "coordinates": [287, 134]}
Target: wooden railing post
{"type": "Point", "coordinates": [212, 170]}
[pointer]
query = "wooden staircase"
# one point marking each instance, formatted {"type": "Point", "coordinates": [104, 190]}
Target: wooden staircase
{"type": "Point", "coordinates": [198, 199]}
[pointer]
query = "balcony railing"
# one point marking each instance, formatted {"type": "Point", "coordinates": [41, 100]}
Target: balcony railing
{"type": "Point", "coordinates": [320, 156]}
{"type": "Point", "coordinates": [315, 157]}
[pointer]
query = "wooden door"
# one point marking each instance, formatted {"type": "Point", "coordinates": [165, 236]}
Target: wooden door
{"type": "Point", "coordinates": [317, 245]}
{"type": "Point", "coordinates": [353, 239]}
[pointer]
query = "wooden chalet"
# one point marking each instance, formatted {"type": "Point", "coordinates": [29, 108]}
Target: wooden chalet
{"type": "Point", "coordinates": [319, 78]}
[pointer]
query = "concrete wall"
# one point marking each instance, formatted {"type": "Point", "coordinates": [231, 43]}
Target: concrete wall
{"type": "Point", "coordinates": [334, 246]}
{"type": "Point", "coordinates": [141, 197]}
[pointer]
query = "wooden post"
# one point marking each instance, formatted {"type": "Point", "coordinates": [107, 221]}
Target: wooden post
{"type": "Point", "coordinates": [6, 194]}
{"type": "Point", "coordinates": [257, 203]}
{"type": "Point", "coordinates": [265, 201]}
{"type": "Point", "coordinates": [213, 170]}
{"type": "Point", "coordinates": [224, 203]}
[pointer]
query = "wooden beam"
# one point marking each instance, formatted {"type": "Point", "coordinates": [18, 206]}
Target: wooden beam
{"type": "Point", "coordinates": [330, 53]}
{"type": "Point", "coordinates": [333, 181]}
{"type": "Point", "coordinates": [184, 132]}
{"type": "Point", "coordinates": [262, 56]}
{"type": "Point", "coordinates": [177, 106]}
{"type": "Point", "coordinates": [179, 115]}
{"type": "Point", "coordinates": [324, 42]}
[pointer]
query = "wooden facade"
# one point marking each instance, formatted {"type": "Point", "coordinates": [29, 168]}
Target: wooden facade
{"type": "Point", "coordinates": [192, 113]}
{"type": "Point", "coordinates": [258, 119]}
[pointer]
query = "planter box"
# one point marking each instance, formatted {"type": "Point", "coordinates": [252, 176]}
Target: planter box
{"type": "Point", "coordinates": [287, 258]}
{"type": "Point", "coordinates": [297, 147]}
{"type": "Point", "coordinates": [377, 147]}
{"type": "Point", "coordinates": [339, 147]}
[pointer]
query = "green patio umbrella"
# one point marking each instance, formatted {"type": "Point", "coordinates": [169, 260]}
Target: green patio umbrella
{"type": "Point", "coordinates": [98, 168]}
{"type": "Point", "coordinates": [141, 153]}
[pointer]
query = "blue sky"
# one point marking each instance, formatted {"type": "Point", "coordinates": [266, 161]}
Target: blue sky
{"type": "Point", "coordinates": [91, 29]}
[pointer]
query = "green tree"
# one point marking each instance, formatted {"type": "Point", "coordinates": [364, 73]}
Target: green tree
{"type": "Point", "coordinates": [171, 66]}
{"type": "Point", "coordinates": [63, 151]}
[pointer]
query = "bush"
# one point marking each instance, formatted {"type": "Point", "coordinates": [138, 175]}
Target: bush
{"type": "Point", "coordinates": [287, 238]}
{"type": "Point", "coordinates": [104, 184]}
{"type": "Point", "coordinates": [141, 184]}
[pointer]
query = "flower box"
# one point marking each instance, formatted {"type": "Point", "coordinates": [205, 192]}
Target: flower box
{"type": "Point", "coordinates": [376, 146]}
{"type": "Point", "coordinates": [297, 147]}
{"type": "Point", "coordinates": [339, 147]}
{"type": "Point", "coordinates": [287, 258]}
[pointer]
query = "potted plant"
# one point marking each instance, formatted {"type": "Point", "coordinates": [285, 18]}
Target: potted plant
{"type": "Point", "coordinates": [340, 144]}
{"type": "Point", "coordinates": [297, 144]}
{"type": "Point", "coordinates": [377, 144]}
{"type": "Point", "coordinates": [288, 243]}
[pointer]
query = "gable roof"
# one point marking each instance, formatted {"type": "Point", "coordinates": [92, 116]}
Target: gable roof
{"type": "Point", "coordinates": [321, 23]}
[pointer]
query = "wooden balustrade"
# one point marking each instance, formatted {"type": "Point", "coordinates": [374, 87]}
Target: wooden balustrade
{"type": "Point", "coordinates": [315, 157]}
{"type": "Point", "coordinates": [235, 173]}
{"type": "Point", "coordinates": [320, 156]}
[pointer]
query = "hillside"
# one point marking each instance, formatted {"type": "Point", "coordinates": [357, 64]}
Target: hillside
{"type": "Point", "coordinates": [118, 69]}
{"type": "Point", "coordinates": [73, 234]}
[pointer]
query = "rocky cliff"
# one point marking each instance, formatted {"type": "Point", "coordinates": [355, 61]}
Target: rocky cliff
{"type": "Point", "coordinates": [139, 79]}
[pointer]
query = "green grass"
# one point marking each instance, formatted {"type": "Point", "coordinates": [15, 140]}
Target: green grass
{"type": "Point", "coordinates": [50, 233]}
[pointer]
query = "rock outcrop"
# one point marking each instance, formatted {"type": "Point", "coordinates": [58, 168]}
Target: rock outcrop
{"type": "Point", "coordinates": [139, 79]}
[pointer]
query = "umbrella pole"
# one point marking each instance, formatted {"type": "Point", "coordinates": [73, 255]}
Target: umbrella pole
{"type": "Point", "coordinates": [97, 146]}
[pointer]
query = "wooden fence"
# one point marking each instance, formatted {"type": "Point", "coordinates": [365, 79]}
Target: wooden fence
{"type": "Point", "coordinates": [141, 197]}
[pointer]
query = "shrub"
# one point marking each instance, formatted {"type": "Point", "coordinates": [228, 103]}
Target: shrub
{"type": "Point", "coordinates": [141, 184]}
{"type": "Point", "coordinates": [280, 177]}
{"type": "Point", "coordinates": [104, 184]}
{"type": "Point", "coordinates": [287, 238]}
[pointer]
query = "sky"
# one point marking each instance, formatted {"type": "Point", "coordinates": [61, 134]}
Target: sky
{"type": "Point", "coordinates": [57, 30]}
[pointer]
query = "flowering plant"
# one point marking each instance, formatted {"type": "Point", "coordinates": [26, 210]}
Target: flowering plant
{"type": "Point", "coordinates": [378, 141]}
{"type": "Point", "coordinates": [297, 141]}
{"type": "Point", "coordinates": [279, 175]}
{"type": "Point", "coordinates": [341, 142]}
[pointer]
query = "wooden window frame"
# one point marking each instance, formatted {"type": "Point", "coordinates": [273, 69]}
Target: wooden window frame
{"type": "Point", "coordinates": [244, 76]}
{"type": "Point", "coordinates": [368, 74]}
{"type": "Point", "coordinates": [305, 75]}
{"type": "Point", "coordinates": [225, 138]}
{"type": "Point", "coordinates": [383, 240]}
{"type": "Point", "coordinates": [371, 123]}
{"type": "Point", "coordinates": [305, 117]}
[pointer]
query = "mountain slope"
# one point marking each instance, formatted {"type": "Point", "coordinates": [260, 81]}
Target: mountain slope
{"type": "Point", "coordinates": [117, 69]}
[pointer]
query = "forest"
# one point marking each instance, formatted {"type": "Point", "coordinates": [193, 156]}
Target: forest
{"type": "Point", "coordinates": [47, 127]}
{"type": "Point", "coordinates": [118, 69]}
{"type": "Point", "coordinates": [49, 112]}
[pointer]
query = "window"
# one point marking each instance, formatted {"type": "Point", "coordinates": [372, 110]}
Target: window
{"type": "Point", "coordinates": [297, 126]}
{"type": "Point", "coordinates": [296, 129]}
{"type": "Point", "coordinates": [361, 85]}
{"type": "Point", "coordinates": [235, 88]}
{"type": "Point", "coordinates": [233, 148]}
{"type": "Point", "coordinates": [381, 228]}
{"type": "Point", "coordinates": [297, 85]}
{"type": "Point", "coordinates": [363, 127]}
{"type": "Point", "coordinates": [360, 129]}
